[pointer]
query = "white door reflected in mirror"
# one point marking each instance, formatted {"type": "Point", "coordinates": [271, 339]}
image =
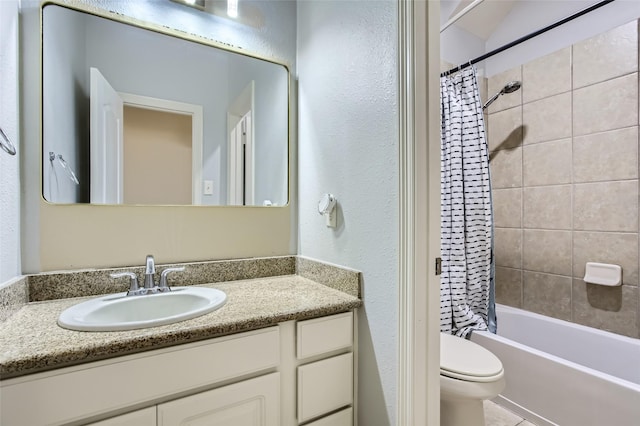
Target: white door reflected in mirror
{"type": "Point", "coordinates": [107, 116]}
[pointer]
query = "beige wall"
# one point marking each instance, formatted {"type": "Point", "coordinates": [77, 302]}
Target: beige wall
{"type": "Point", "coordinates": [157, 157]}
{"type": "Point", "coordinates": [564, 168]}
{"type": "Point", "coordinates": [85, 236]}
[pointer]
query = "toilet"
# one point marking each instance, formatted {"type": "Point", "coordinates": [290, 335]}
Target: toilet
{"type": "Point", "coordinates": [469, 374]}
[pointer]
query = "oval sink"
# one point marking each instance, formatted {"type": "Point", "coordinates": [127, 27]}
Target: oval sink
{"type": "Point", "coordinates": [117, 312]}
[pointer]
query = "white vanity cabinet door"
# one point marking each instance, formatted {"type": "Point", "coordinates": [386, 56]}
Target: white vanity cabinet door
{"type": "Point", "coordinates": [144, 417]}
{"type": "Point", "coordinates": [253, 402]}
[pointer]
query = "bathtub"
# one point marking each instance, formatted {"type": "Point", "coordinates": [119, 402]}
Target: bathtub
{"type": "Point", "coordinates": [560, 373]}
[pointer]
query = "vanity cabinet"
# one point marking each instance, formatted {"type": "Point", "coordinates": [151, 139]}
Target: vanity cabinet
{"type": "Point", "coordinates": [326, 384]}
{"type": "Point", "coordinates": [294, 373]}
{"type": "Point", "coordinates": [144, 417]}
{"type": "Point", "coordinates": [253, 402]}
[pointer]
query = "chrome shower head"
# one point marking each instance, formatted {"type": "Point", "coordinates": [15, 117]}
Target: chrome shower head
{"type": "Point", "coordinates": [510, 87]}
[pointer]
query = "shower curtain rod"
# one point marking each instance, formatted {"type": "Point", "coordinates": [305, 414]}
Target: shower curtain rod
{"type": "Point", "coordinates": [527, 37]}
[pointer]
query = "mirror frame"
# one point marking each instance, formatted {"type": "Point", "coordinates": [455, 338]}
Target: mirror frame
{"type": "Point", "coordinates": [144, 25]}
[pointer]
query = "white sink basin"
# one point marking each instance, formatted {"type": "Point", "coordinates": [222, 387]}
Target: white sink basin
{"type": "Point", "coordinates": [121, 312]}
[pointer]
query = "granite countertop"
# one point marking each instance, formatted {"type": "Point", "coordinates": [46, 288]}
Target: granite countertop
{"type": "Point", "coordinates": [31, 340]}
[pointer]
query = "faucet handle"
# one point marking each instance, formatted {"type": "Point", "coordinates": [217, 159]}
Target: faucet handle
{"type": "Point", "coordinates": [163, 277]}
{"type": "Point", "coordinates": [133, 285]}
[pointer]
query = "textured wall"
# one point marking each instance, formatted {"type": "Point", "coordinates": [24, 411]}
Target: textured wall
{"type": "Point", "coordinates": [9, 165]}
{"type": "Point", "coordinates": [348, 146]}
{"type": "Point", "coordinates": [565, 177]}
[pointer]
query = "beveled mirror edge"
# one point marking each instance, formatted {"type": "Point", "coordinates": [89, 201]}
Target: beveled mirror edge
{"type": "Point", "coordinates": [80, 6]}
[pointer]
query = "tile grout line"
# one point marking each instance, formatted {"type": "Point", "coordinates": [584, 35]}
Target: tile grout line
{"type": "Point", "coordinates": [573, 192]}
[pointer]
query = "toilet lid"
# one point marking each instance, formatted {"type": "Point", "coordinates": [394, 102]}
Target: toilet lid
{"type": "Point", "coordinates": [465, 360]}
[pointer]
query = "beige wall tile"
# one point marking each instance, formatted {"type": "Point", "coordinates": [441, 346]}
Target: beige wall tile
{"type": "Point", "coordinates": [507, 208]}
{"type": "Point", "coordinates": [496, 83]}
{"type": "Point", "coordinates": [601, 161]}
{"type": "Point", "coordinates": [606, 247]}
{"type": "Point", "coordinates": [505, 129]}
{"type": "Point", "coordinates": [608, 206]}
{"type": "Point", "coordinates": [606, 156]}
{"type": "Point", "coordinates": [509, 286]}
{"type": "Point", "coordinates": [508, 247]}
{"type": "Point", "coordinates": [612, 309]}
{"type": "Point", "coordinates": [506, 168]}
{"type": "Point", "coordinates": [547, 251]}
{"type": "Point", "coordinates": [609, 105]}
{"type": "Point", "coordinates": [547, 207]}
{"type": "Point", "coordinates": [547, 163]}
{"type": "Point", "coordinates": [547, 294]}
{"type": "Point", "coordinates": [547, 76]}
{"type": "Point", "coordinates": [606, 55]}
{"type": "Point", "coordinates": [547, 119]}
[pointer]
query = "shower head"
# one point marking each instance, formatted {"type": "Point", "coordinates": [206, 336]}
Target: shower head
{"type": "Point", "coordinates": [510, 87]}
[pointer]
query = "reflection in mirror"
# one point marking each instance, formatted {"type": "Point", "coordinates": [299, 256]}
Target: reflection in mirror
{"type": "Point", "coordinates": [150, 118]}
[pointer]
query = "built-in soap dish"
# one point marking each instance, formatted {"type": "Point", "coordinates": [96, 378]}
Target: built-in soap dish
{"type": "Point", "coordinates": [603, 274]}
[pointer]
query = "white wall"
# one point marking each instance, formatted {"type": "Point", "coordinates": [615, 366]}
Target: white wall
{"type": "Point", "coordinates": [9, 165]}
{"type": "Point", "coordinates": [270, 122]}
{"type": "Point", "coordinates": [527, 16]}
{"type": "Point", "coordinates": [66, 83]}
{"type": "Point", "coordinates": [348, 146]}
{"type": "Point", "coordinates": [458, 46]}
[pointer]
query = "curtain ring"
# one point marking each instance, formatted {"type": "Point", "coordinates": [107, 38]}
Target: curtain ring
{"type": "Point", "coordinates": [6, 145]}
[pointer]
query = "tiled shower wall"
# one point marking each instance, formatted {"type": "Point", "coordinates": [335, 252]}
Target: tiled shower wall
{"type": "Point", "coordinates": [564, 168]}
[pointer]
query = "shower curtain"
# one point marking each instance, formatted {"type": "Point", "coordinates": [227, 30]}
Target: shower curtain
{"type": "Point", "coordinates": [467, 279]}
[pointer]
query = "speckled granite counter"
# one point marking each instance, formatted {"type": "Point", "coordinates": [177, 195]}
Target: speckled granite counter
{"type": "Point", "coordinates": [31, 341]}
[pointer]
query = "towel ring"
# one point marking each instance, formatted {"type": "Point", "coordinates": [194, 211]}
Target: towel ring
{"type": "Point", "coordinates": [6, 144]}
{"type": "Point", "coordinates": [70, 173]}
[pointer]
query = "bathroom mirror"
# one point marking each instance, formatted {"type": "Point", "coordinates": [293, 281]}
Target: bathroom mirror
{"type": "Point", "coordinates": [132, 115]}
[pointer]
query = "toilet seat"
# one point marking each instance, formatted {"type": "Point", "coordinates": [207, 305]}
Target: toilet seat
{"type": "Point", "coordinates": [464, 360]}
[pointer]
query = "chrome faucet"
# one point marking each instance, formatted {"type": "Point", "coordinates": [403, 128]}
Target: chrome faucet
{"type": "Point", "coordinates": [150, 272]}
{"type": "Point", "coordinates": [150, 286]}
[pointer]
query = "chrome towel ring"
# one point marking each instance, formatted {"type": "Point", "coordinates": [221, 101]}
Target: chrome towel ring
{"type": "Point", "coordinates": [6, 144]}
{"type": "Point", "coordinates": [70, 173]}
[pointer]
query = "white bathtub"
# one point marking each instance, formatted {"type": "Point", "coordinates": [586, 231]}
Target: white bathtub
{"type": "Point", "coordinates": [560, 373]}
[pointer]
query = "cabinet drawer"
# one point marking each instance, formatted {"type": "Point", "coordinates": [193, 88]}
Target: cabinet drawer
{"type": "Point", "coordinates": [341, 418]}
{"type": "Point", "coordinates": [325, 386]}
{"type": "Point", "coordinates": [321, 335]}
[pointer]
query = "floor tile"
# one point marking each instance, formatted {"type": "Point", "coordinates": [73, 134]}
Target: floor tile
{"type": "Point", "coordinates": [496, 415]}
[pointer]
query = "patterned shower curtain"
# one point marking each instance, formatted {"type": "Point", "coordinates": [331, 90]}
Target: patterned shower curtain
{"type": "Point", "coordinates": [466, 283]}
